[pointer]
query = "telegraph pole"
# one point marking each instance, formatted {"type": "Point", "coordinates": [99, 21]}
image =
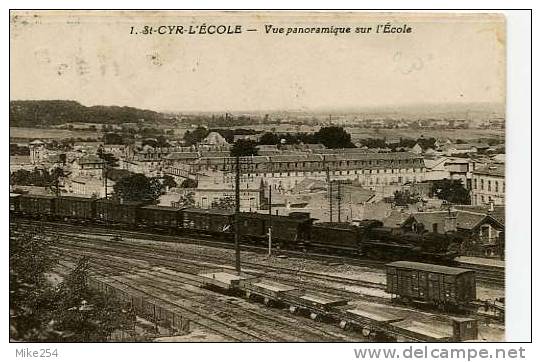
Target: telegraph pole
{"type": "Point", "coordinates": [329, 185]}
{"type": "Point", "coordinates": [237, 214]}
{"type": "Point", "coordinates": [339, 199]}
{"type": "Point", "coordinates": [105, 178]}
{"type": "Point", "coordinates": [270, 219]}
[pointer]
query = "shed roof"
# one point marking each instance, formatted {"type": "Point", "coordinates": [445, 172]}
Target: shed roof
{"type": "Point", "coordinates": [431, 268]}
{"type": "Point", "coordinates": [162, 208]}
{"type": "Point", "coordinates": [209, 211]}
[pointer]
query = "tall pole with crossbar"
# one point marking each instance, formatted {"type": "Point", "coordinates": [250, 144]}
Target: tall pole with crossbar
{"type": "Point", "coordinates": [237, 214]}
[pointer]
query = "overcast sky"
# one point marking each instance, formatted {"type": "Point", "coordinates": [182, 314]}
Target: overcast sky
{"type": "Point", "coordinates": [93, 59]}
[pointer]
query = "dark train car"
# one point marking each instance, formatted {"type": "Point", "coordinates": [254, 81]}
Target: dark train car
{"type": "Point", "coordinates": [397, 244]}
{"type": "Point", "coordinates": [112, 211]}
{"type": "Point", "coordinates": [37, 205]}
{"type": "Point", "coordinates": [295, 227]}
{"type": "Point", "coordinates": [14, 202]}
{"type": "Point", "coordinates": [335, 236]}
{"type": "Point", "coordinates": [74, 207]}
{"type": "Point", "coordinates": [211, 221]}
{"type": "Point", "coordinates": [432, 284]}
{"type": "Point", "coordinates": [156, 216]}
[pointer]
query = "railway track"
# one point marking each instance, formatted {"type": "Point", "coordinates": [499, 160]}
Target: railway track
{"type": "Point", "coordinates": [486, 275]}
{"type": "Point", "coordinates": [264, 325]}
{"type": "Point", "coordinates": [161, 254]}
{"type": "Point", "coordinates": [196, 262]}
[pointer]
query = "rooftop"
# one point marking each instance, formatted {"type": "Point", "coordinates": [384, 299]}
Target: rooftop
{"type": "Point", "coordinates": [431, 268]}
{"type": "Point", "coordinates": [491, 170]}
{"type": "Point", "coordinates": [464, 219]}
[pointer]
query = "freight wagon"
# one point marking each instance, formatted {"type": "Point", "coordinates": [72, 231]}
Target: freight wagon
{"type": "Point", "coordinates": [295, 231]}
{"type": "Point", "coordinates": [159, 217]}
{"type": "Point", "coordinates": [208, 221]}
{"type": "Point", "coordinates": [72, 207]}
{"type": "Point", "coordinates": [436, 285]}
{"type": "Point", "coordinates": [111, 211]}
{"type": "Point", "coordinates": [336, 236]}
{"type": "Point", "coordinates": [14, 202]}
{"type": "Point", "coordinates": [292, 229]}
{"type": "Point", "coordinates": [37, 205]}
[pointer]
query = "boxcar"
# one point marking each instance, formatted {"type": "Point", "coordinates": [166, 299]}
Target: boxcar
{"type": "Point", "coordinates": [42, 205]}
{"type": "Point", "coordinates": [338, 236]}
{"type": "Point", "coordinates": [293, 228]}
{"type": "Point", "coordinates": [74, 207]}
{"type": "Point", "coordinates": [208, 220]}
{"type": "Point", "coordinates": [433, 284]}
{"type": "Point", "coordinates": [14, 202]}
{"type": "Point", "coordinates": [116, 212]}
{"type": "Point", "coordinates": [159, 216]}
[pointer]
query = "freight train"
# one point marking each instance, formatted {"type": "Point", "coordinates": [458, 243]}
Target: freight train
{"type": "Point", "coordinates": [297, 231]}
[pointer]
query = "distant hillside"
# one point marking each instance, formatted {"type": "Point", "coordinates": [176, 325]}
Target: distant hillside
{"type": "Point", "coordinates": [50, 113]}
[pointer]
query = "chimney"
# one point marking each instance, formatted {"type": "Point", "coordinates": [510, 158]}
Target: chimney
{"type": "Point", "coordinates": [449, 223]}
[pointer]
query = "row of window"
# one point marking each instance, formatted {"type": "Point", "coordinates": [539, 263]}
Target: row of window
{"type": "Point", "coordinates": [322, 165]}
{"type": "Point", "coordinates": [335, 173]}
{"type": "Point", "coordinates": [491, 185]}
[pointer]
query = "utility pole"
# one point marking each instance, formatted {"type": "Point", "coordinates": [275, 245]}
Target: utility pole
{"type": "Point", "coordinates": [105, 178]}
{"type": "Point", "coordinates": [237, 214]}
{"type": "Point", "coordinates": [329, 186]}
{"type": "Point", "coordinates": [270, 219]}
{"type": "Point", "coordinates": [339, 200]}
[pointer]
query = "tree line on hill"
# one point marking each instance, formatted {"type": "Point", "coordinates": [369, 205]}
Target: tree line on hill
{"type": "Point", "coordinates": [55, 112]}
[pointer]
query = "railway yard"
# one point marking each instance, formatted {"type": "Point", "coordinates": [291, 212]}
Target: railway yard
{"type": "Point", "coordinates": [186, 287]}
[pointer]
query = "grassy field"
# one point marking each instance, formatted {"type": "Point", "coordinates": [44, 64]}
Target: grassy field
{"type": "Point", "coordinates": [395, 133]}
{"type": "Point", "coordinates": [356, 133]}
{"type": "Point", "coordinates": [453, 134]}
{"type": "Point", "coordinates": [49, 133]}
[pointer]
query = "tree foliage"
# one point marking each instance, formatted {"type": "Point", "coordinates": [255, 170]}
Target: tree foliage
{"type": "Point", "coordinates": [53, 112]}
{"type": "Point", "coordinates": [224, 203]}
{"type": "Point", "coordinates": [36, 177]}
{"type": "Point", "coordinates": [185, 200]}
{"type": "Point", "coordinates": [188, 184]}
{"type": "Point", "coordinates": [137, 187]}
{"type": "Point", "coordinates": [196, 136]}
{"type": "Point", "coordinates": [452, 191]}
{"type": "Point", "coordinates": [244, 148]}
{"type": "Point", "coordinates": [68, 312]}
{"type": "Point", "coordinates": [333, 137]}
{"type": "Point", "coordinates": [168, 181]}
{"type": "Point", "coordinates": [403, 198]}
{"type": "Point", "coordinates": [113, 139]}
{"type": "Point", "coordinates": [269, 138]}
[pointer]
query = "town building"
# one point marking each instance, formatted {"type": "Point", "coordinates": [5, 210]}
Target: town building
{"type": "Point", "coordinates": [88, 166]}
{"type": "Point", "coordinates": [283, 172]}
{"type": "Point", "coordinates": [37, 151]}
{"type": "Point", "coordinates": [488, 185]}
{"type": "Point", "coordinates": [89, 186]}
{"type": "Point", "coordinates": [479, 231]}
{"type": "Point", "coordinates": [209, 193]}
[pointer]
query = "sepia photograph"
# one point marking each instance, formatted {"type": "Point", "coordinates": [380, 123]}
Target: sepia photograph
{"type": "Point", "coordinates": [257, 176]}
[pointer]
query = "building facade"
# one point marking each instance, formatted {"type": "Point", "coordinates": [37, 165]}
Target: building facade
{"type": "Point", "coordinates": [488, 185]}
{"type": "Point", "coordinates": [284, 172]}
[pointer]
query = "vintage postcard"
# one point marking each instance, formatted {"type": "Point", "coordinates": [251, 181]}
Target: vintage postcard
{"type": "Point", "coordinates": [257, 176]}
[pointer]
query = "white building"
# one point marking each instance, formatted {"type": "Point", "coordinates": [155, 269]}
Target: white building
{"type": "Point", "coordinates": [488, 185]}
